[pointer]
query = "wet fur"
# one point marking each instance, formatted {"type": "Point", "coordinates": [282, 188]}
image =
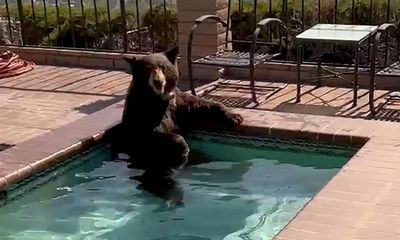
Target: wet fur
{"type": "Point", "coordinates": [153, 121]}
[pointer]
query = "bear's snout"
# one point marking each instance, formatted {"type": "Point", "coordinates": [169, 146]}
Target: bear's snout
{"type": "Point", "coordinates": [158, 86]}
{"type": "Point", "coordinates": [157, 81]}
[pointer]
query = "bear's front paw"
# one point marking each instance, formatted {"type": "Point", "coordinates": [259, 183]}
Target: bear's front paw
{"type": "Point", "coordinates": [233, 120]}
{"type": "Point", "coordinates": [238, 118]}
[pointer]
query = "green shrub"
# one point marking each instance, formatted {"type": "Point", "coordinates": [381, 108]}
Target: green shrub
{"type": "Point", "coordinates": [83, 31]}
{"type": "Point", "coordinates": [243, 29]}
{"type": "Point", "coordinates": [86, 33]}
{"type": "Point", "coordinates": [163, 23]}
{"type": "Point", "coordinates": [70, 28]}
{"type": "Point", "coordinates": [344, 14]}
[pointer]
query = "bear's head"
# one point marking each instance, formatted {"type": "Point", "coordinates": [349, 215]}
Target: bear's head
{"type": "Point", "coordinates": [156, 73]}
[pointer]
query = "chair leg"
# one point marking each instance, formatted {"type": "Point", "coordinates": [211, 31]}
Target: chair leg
{"type": "Point", "coordinates": [319, 65]}
{"type": "Point", "coordinates": [372, 59]}
{"type": "Point", "coordinates": [355, 83]}
{"type": "Point", "coordinates": [299, 58]}
{"type": "Point", "coordinates": [190, 75]}
{"type": "Point", "coordinates": [252, 85]}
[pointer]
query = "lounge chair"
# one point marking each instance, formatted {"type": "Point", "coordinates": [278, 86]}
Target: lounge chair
{"type": "Point", "coordinates": [251, 54]}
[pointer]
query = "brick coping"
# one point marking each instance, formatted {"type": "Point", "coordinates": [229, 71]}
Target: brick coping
{"type": "Point", "coordinates": [378, 140]}
{"type": "Point", "coordinates": [35, 155]}
{"type": "Point", "coordinates": [39, 153]}
{"type": "Point", "coordinates": [68, 52]}
{"type": "Point", "coordinates": [28, 52]}
{"type": "Point", "coordinates": [40, 55]}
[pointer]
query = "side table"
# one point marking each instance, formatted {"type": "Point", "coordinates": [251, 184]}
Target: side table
{"type": "Point", "coordinates": [352, 35]}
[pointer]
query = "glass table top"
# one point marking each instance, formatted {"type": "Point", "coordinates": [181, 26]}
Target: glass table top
{"type": "Point", "coordinates": [337, 32]}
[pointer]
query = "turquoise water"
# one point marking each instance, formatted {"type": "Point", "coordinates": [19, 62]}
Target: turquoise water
{"type": "Point", "coordinates": [233, 192]}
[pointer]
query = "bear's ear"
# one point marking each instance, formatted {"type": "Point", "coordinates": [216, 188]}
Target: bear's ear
{"type": "Point", "coordinates": [133, 62]}
{"type": "Point", "coordinates": [172, 54]}
{"type": "Point", "coordinates": [130, 60]}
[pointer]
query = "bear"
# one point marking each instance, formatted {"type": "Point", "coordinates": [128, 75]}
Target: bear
{"type": "Point", "coordinates": [157, 114]}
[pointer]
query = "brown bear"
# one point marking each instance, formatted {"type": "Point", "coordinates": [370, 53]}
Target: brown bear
{"type": "Point", "coordinates": [156, 113]}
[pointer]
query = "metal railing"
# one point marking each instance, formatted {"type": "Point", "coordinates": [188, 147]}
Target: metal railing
{"type": "Point", "coordinates": [300, 15]}
{"type": "Point", "coordinates": [109, 25]}
{"type": "Point", "coordinates": [151, 25]}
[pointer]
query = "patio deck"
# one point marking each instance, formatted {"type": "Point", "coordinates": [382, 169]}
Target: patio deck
{"type": "Point", "coordinates": [322, 101]}
{"type": "Point", "coordinates": [49, 97]}
{"type": "Point", "coordinates": [361, 202]}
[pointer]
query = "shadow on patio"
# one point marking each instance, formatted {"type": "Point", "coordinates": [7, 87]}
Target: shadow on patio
{"type": "Point", "coordinates": [326, 101]}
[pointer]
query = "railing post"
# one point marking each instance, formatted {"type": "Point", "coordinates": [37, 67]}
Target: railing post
{"type": "Point", "coordinates": [21, 19]}
{"type": "Point", "coordinates": [209, 37]}
{"type": "Point", "coordinates": [124, 28]}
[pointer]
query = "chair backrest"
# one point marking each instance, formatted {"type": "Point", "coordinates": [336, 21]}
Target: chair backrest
{"type": "Point", "coordinates": [242, 18]}
{"type": "Point", "coordinates": [398, 34]}
{"type": "Point", "coordinates": [398, 49]}
{"type": "Point", "coordinates": [241, 21]}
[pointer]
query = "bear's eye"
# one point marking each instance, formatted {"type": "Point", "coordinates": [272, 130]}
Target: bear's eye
{"type": "Point", "coordinates": [162, 67]}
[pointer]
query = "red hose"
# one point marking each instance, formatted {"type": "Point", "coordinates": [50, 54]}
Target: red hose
{"type": "Point", "coordinates": [11, 65]}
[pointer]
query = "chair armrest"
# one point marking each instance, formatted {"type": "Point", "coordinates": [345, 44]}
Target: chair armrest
{"type": "Point", "coordinates": [261, 25]}
{"type": "Point", "coordinates": [267, 21]}
{"type": "Point", "coordinates": [196, 24]}
{"type": "Point", "coordinates": [215, 18]}
{"type": "Point", "coordinates": [386, 26]}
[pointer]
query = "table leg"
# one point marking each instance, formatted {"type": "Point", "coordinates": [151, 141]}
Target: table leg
{"type": "Point", "coordinates": [369, 52]}
{"type": "Point", "coordinates": [372, 76]}
{"type": "Point", "coordinates": [319, 64]}
{"type": "Point", "coordinates": [299, 47]}
{"type": "Point", "coordinates": [355, 83]}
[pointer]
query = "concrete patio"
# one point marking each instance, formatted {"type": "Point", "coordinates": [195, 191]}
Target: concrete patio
{"type": "Point", "coordinates": [52, 96]}
{"type": "Point", "coordinates": [74, 96]}
{"type": "Point", "coordinates": [359, 203]}
{"type": "Point", "coordinates": [322, 101]}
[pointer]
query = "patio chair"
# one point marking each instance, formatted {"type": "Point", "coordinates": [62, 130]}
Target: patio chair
{"type": "Point", "coordinates": [249, 52]}
{"type": "Point", "coordinates": [391, 65]}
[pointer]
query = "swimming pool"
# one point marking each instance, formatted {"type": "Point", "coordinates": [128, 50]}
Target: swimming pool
{"type": "Point", "coordinates": [240, 188]}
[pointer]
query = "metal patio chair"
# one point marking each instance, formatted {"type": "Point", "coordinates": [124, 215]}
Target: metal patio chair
{"type": "Point", "coordinates": [252, 51]}
{"type": "Point", "coordinates": [391, 65]}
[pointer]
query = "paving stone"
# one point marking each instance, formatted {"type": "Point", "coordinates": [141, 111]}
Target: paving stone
{"type": "Point", "coordinates": [360, 202]}
{"type": "Point", "coordinates": [49, 97]}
